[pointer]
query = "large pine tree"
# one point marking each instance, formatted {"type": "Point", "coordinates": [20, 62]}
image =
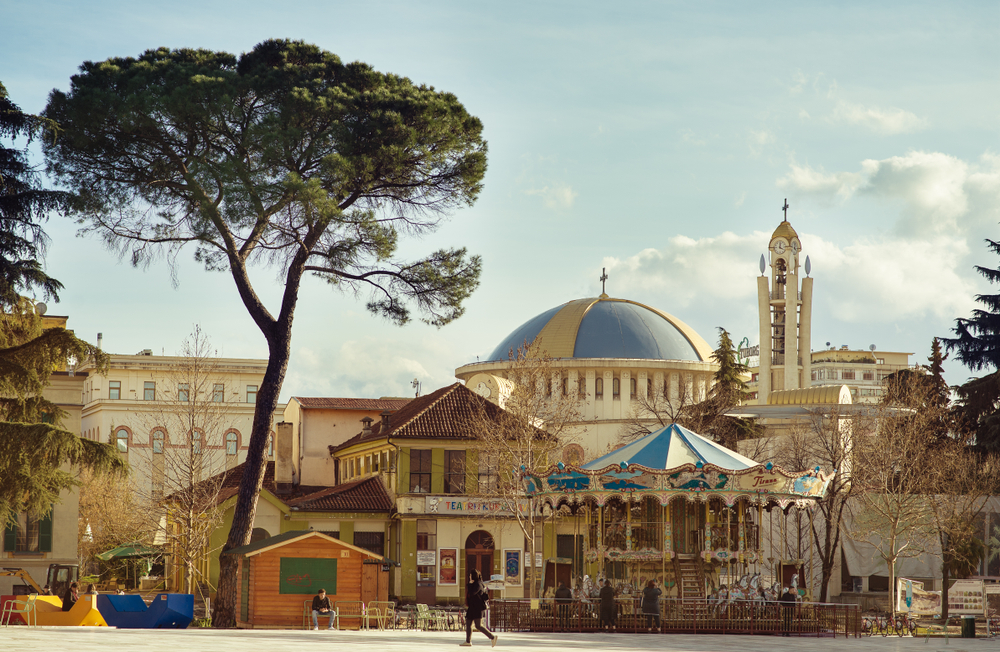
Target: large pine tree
{"type": "Point", "coordinates": [34, 450]}
{"type": "Point", "coordinates": [977, 346]}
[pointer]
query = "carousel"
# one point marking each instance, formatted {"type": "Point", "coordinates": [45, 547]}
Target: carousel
{"type": "Point", "coordinates": [702, 520]}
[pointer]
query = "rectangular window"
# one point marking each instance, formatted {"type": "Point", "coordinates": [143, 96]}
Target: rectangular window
{"type": "Point", "coordinates": [847, 375]}
{"type": "Point", "coordinates": [454, 472]}
{"type": "Point", "coordinates": [370, 541]}
{"type": "Point", "coordinates": [115, 390]}
{"type": "Point", "coordinates": [218, 393]}
{"type": "Point", "coordinates": [183, 392]}
{"type": "Point", "coordinates": [868, 376]}
{"type": "Point", "coordinates": [149, 391]}
{"type": "Point", "coordinates": [28, 534]}
{"type": "Point", "coordinates": [420, 472]}
{"type": "Point", "coordinates": [251, 393]}
{"type": "Point", "coordinates": [487, 473]}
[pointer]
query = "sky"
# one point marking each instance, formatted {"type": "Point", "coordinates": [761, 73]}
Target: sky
{"type": "Point", "coordinates": [657, 140]}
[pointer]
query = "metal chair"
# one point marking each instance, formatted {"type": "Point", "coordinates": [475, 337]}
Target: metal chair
{"type": "Point", "coordinates": [424, 618]}
{"type": "Point", "coordinates": [25, 608]}
{"type": "Point", "coordinates": [383, 613]}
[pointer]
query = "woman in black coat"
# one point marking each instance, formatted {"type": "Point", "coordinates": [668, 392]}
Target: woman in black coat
{"type": "Point", "coordinates": [609, 608]}
{"type": "Point", "coordinates": [476, 599]}
{"type": "Point", "coordinates": [651, 604]}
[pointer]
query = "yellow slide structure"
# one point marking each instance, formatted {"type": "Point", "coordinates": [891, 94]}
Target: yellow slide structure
{"type": "Point", "coordinates": [84, 612]}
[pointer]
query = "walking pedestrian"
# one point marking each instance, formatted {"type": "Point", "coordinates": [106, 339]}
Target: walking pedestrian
{"type": "Point", "coordinates": [651, 604]}
{"type": "Point", "coordinates": [477, 603]}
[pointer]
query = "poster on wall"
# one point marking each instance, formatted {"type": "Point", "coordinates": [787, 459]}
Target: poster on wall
{"type": "Point", "coordinates": [426, 558]}
{"type": "Point", "coordinates": [512, 567]}
{"type": "Point", "coordinates": [448, 568]}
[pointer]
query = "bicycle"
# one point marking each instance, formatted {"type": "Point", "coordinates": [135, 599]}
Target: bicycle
{"type": "Point", "coordinates": [877, 622]}
{"type": "Point", "coordinates": [905, 624]}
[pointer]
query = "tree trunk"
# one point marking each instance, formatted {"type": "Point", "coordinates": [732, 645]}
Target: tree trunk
{"type": "Point", "coordinates": [227, 594]}
{"type": "Point", "coordinates": [945, 578]}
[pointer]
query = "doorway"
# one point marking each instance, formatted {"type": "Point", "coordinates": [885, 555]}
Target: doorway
{"type": "Point", "coordinates": [479, 554]}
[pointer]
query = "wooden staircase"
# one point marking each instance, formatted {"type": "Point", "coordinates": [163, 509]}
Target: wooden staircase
{"type": "Point", "coordinates": [690, 579]}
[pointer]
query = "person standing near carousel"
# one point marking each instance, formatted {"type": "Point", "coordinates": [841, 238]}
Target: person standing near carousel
{"type": "Point", "coordinates": [651, 604]}
{"type": "Point", "coordinates": [609, 607]}
{"type": "Point", "coordinates": [477, 601]}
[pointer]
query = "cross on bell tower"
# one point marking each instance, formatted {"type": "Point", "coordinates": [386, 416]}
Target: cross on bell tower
{"type": "Point", "coordinates": [785, 316]}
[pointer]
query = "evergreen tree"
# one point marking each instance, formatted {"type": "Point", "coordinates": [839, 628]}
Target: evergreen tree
{"type": "Point", "coordinates": [977, 345]}
{"type": "Point", "coordinates": [33, 448]}
{"type": "Point", "coordinates": [24, 205]}
{"type": "Point", "coordinates": [728, 391]}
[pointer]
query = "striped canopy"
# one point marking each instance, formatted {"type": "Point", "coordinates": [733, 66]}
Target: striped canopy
{"type": "Point", "coordinates": [671, 447]}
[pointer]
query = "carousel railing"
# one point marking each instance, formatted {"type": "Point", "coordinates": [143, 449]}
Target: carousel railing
{"type": "Point", "coordinates": [677, 616]}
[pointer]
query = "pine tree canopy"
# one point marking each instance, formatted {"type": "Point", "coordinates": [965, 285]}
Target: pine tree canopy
{"type": "Point", "coordinates": [24, 205]}
{"type": "Point", "coordinates": [38, 458]}
{"type": "Point", "coordinates": [977, 338]}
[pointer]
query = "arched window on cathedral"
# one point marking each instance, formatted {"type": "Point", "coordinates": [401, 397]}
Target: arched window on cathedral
{"type": "Point", "coordinates": [599, 388]}
{"type": "Point", "coordinates": [158, 440]}
{"type": "Point", "coordinates": [616, 388]}
{"type": "Point", "coordinates": [632, 387]}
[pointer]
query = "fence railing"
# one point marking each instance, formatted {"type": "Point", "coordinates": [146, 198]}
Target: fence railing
{"type": "Point", "coordinates": [678, 616]}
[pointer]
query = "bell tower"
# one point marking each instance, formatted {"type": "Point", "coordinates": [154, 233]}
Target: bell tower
{"type": "Point", "coordinates": [785, 311]}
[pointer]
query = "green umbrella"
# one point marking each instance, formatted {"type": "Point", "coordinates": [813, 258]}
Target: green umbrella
{"type": "Point", "coordinates": [128, 550]}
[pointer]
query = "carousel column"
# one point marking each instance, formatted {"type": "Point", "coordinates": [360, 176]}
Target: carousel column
{"type": "Point", "coordinates": [600, 538]}
{"type": "Point", "coordinates": [708, 529]}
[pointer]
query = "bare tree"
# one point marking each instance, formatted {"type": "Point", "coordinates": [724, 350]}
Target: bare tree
{"type": "Point", "coordinates": [519, 443]}
{"type": "Point", "coordinates": [966, 480]}
{"type": "Point", "coordinates": [112, 513]}
{"type": "Point", "coordinates": [825, 440]}
{"type": "Point", "coordinates": [896, 473]}
{"type": "Point", "coordinates": [192, 436]}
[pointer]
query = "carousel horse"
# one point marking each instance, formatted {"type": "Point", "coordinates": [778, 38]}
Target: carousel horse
{"type": "Point", "coordinates": [794, 588]}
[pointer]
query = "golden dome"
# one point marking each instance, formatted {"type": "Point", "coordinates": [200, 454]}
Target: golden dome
{"type": "Point", "coordinates": [815, 395]}
{"type": "Point", "coordinates": [784, 230]}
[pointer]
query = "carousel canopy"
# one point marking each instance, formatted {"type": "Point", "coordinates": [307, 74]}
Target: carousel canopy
{"type": "Point", "coordinates": [671, 447]}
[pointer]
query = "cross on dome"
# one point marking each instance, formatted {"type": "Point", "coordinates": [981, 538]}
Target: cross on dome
{"type": "Point", "coordinates": [604, 277]}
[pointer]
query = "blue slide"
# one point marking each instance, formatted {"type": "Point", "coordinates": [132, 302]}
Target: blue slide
{"type": "Point", "coordinates": [167, 610]}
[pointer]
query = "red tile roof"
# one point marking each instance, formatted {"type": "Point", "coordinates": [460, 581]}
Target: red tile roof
{"type": "Point", "coordinates": [365, 495]}
{"type": "Point", "coordinates": [230, 484]}
{"type": "Point", "coordinates": [379, 404]}
{"type": "Point", "coordinates": [442, 414]}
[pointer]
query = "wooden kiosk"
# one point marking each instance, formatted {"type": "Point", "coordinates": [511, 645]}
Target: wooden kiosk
{"type": "Point", "coordinates": [279, 574]}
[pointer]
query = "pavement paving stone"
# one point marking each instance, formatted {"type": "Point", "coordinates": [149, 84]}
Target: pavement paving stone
{"type": "Point", "coordinates": [100, 639]}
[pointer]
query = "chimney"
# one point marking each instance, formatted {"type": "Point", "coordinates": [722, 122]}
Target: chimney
{"type": "Point", "coordinates": [286, 457]}
{"type": "Point", "coordinates": [385, 421]}
{"type": "Point", "coordinates": [366, 429]}
{"type": "Point", "coordinates": [100, 340]}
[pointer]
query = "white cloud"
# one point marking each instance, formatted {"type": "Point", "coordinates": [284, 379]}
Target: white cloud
{"type": "Point", "coordinates": [883, 121]}
{"type": "Point", "coordinates": [556, 197]}
{"type": "Point", "coordinates": [757, 140]}
{"type": "Point", "coordinates": [867, 281]}
{"type": "Point", "coordinates": [939, 194]}
{"type": "Point", "coordinates": [739, 200]}
{"type": "Point", "coordinates": [369, 367]}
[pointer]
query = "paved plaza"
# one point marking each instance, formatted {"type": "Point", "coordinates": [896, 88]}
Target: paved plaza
{"type": "Point", "coordinates": [87, 639]}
